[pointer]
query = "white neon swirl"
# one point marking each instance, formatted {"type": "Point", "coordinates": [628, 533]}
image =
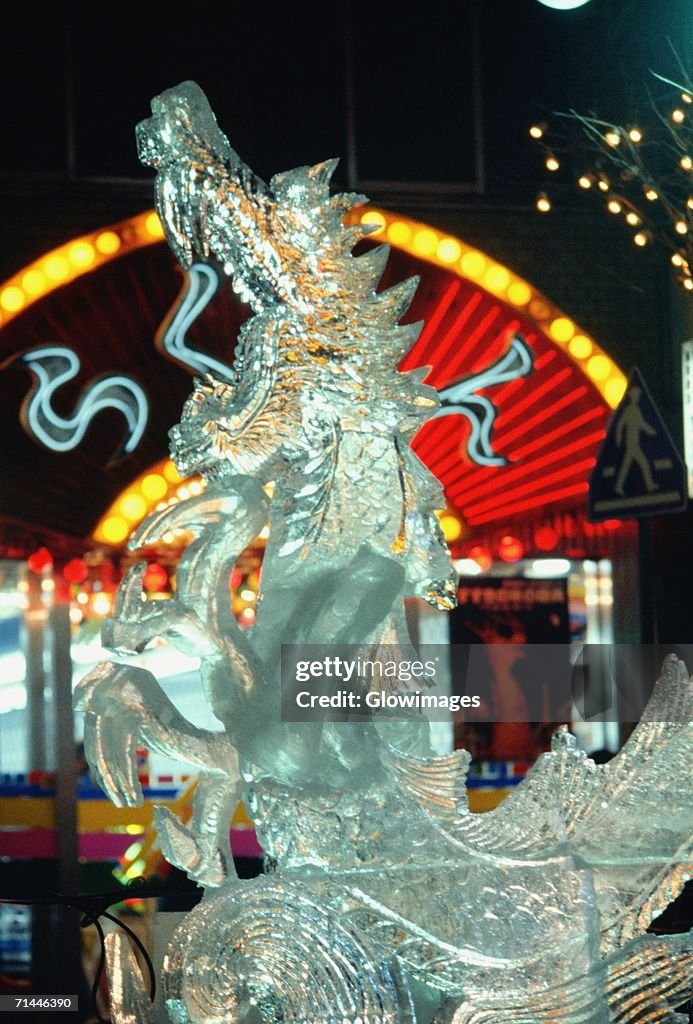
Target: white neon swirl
{"type": "Point", "coordinates": [53, 366]}
{"type": "Point", "coordinates": [460, 398]}
{"type": "Point", "coordinates": [200, 288]}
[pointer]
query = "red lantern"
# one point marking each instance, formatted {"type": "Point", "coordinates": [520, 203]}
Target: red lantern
{"type": "Point", "coordinates": [40, 560]}
{"type": "Point", "coordinates": [75, 571]}
{"type": "Point", "coordinates": [482, 556]}
{"type": "Point", "coordinates": [510, 548]}
{"type": "Point", "coordinates": [545, 538]}
{"type": "Point", "coordinates": [155, 578]}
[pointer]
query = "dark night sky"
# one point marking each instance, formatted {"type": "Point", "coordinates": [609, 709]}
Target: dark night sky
{"type": "Point", "coordinates": [276, 77]}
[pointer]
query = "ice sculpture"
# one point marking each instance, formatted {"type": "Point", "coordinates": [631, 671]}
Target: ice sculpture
{"type": "Point", "coordinates": [388, 902]}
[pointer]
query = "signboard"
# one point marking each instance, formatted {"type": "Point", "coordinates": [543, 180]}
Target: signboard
{"type": "Point", "coordinates": [638, 471]}
{"type": "Point", "coordinates": [506, 615]}
{"type": "Point", "coordinates": [687, 388]}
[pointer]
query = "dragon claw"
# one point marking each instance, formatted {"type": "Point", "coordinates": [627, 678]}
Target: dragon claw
{"type": "Point", "coordinates": [111, 730]}
{"type": "Point", "coordinates": [180, 848]}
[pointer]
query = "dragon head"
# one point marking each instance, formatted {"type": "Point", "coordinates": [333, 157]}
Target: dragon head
{"type": "Point", "coordinates": [323, 344]}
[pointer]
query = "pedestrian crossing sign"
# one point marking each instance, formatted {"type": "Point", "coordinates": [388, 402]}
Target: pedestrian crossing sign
{"type": "Point", "coordinates": [638, 471]}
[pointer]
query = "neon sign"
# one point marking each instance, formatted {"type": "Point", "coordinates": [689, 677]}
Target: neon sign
{"type": "Point", "coordinates": [52, 367]}
{"type": "Point", "coordinates": [461, 398]}
{"type": "Point", "coordinates": [200, 288]}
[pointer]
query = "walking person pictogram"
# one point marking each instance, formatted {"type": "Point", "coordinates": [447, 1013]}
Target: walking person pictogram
{"type": "Point", "coordinates": [638, 471]}
{"type": "Point", "coordinates": [630, 427]}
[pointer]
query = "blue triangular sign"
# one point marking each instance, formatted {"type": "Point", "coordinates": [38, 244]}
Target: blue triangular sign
{"type": "Point", "coordinates": [638, 470]}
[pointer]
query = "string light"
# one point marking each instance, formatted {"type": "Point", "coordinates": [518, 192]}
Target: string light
{"type": "Point", "coordinates": [653, 188]}
{"type": "Point", "coordinates": [537, 130]}
{"type": "Point", "coordinates": [543, 202]}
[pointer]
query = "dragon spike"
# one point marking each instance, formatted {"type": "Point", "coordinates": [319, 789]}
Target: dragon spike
{"type": "Point", "coordinates": [344, 201]}
{"type": "Point", "coordinates": [322, 173]}
{"type": "Point", "coordinates": [398, 298]}
{"type": "Point", "coordinates": [372, 264]}
{"type": "Point", "coordinates": [404, 337]}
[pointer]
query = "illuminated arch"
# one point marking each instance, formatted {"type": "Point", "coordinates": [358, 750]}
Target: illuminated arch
{"type": "Point", "coordinates": [79, 256]}
{"type": "Point", "coordinates": [452, 254]}
{"type": "Point", "coordinates": [481, 494]}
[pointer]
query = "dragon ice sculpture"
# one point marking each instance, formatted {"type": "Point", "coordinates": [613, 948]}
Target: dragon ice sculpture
{"type": "Point", "coordinates": [387, 900]}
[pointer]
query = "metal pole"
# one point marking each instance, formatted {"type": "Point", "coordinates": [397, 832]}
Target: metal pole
{"type": "Point", "coordinates": [352, 172]}
{"type": "Point", "coordinates": [70, 979]}
{"type": "Point", "coordinates": [34, 630]}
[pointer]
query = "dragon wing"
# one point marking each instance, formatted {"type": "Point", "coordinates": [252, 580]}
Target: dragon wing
{"type": "Point", "coordinates": [600, 814]}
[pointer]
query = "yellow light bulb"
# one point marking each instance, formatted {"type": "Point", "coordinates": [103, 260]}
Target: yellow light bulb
{"type": "Point", "coordinates": [632, 218]}
{"type": "Point", "coordinates": [612, 138]}
{"type": "Point", "coordinates": [107, 243]}
{"type": "Point", "coordinates": [133, 506]}
{"type": "Point", "coordinates": [497, 278]}
{"type": "Point", "coordinates": [153, 226]}
{"type": "Point", "coordinates": [33, 282]}
{"type": "Point", "coordinates": [399, 233]}
{"type": "Point", "coordinates": [56, 268]}
{"type": "Point", "coordinates": [678, 115]}
{"type": "Point", "coordinates": [473, 264]}
{"type": "Point", "coordinates": [552, 163]}
{"type": "Point", "coordinates": [681, 227]}
{"type": "Point", "coordinates": [543, 203]}
{"type": "Point", "coordinates": [171, 473]}
{"type": "Point", "coordinates": [688, 284]}
{"type": "Point", "coordinates": [81, 255]}
{"type": "Point", "coordinates": [641, 238]}
{"type": "Point", "coordinates": [614, 206]}
{"type": "Point", "coordinates": [153, 486]}
{"type": "Point", "coordinates": [603, 184]}
{"type": "Point", "coordinates": [584, 181]}
{"type": "Point", "coordinates": [635, 135]}
{"type": "Point", "coordinates": [448, 250]}
{"type": "Point", "coordinates": [537, 130]}
{"type": "Point", "coordinates": [689, 202]}
{"type": "Point", "coordinates": [651, 194]}
{"type": "Point", "coordinates": [580, 347]}
{"type": "Point", "coordinates": [519, 293]}
{"type": "Point", "coordinates": [686, 163]}
{"type": "Point", "coordinates": [562, 329]}
{"type": "Point", "coordinates": [677, 259]}
{"type": "Point", "coordinates": [451, 527]}
{"type": "Point", "coordinates": [599, 367]}
{"type": "Point", "coordinates": [614, 390]}
{"type": "Point", "coordinates": [539, 310]}
{"type": "Point", "coordinates": [425, 242]}
{"type": "Point", "coordinates": [115, 529]}
{"type": "Point", "coordinates": [12, 299]}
